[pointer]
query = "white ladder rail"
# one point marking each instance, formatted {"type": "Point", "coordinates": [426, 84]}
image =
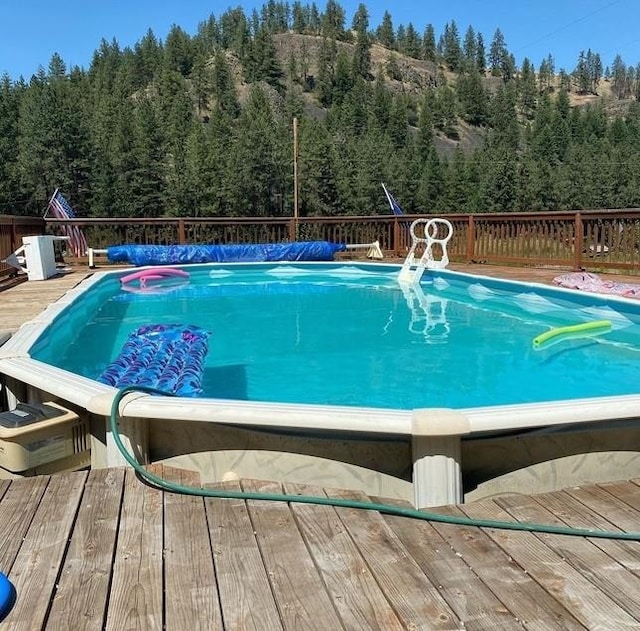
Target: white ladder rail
{"type": "Point", "coordinates": [412, 268]}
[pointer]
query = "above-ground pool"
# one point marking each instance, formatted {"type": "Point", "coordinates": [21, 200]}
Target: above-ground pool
{"type": "Point", "coordinates": [332, 334]}
{"type": "Point", "coordinates": [335, 374]}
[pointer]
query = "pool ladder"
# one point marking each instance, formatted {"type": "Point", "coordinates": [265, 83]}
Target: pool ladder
{"type": "Point", "coordinates": [413, 267]}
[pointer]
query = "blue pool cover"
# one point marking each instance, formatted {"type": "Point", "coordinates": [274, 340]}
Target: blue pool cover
{"type": "Point", "coordinates": [256, 252]}
{"type": "Point", "coordinates": [168, 357]}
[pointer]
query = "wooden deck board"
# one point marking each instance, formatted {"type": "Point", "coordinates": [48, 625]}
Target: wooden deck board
{"type": "Point", "coordinates": [303, 600]}
{"type": "Point", "coordinates": [413, 597]}
{"type": "Point", "coordinates": [357, 596]}
{"type": "Point", "coordinates": [589, 604]}
{"type": "Point", "coordinates": [136, 591]}
{"type": "Point", "coordinates": [612, 578]}
{"type": "Point", "coordinates": [573, 513]}
{"type": "Point", "coordinates": [103, 550]}
{"type": "Point", "coordinates": [471, 600]}
{"type": "Point", "coordinates": [17, 508]}
{"type": "Point", "coordinates": [509, 581]}
{"type": "Point", "coordinates": [81, 598]}
{"type": "Point", "coordinates": [188, 567]}
{"type": "Point", "coordinates": [37, 565]}
{"type": "Point", "coordinates": [245, 592]}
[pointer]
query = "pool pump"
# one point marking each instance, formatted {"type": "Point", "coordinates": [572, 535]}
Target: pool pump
{"type": "Point", "coordinates": [38, 439]}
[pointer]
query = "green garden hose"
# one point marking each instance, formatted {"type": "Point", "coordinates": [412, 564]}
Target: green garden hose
{"type": "Point", "coordinates": [386, 509]}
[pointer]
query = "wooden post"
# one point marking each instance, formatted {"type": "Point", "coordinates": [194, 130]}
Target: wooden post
{"type": "Point", "coordinates": [182, 237]}
{"type": "Point", "coordinates": [295, 177]}
{"type": "Point", "coordinates": [578, 243]}
{"type": "Point", "coordinates": [471, 239]}
{"type": "Point", "coordinates": [396, 237]}
{"type": "Point", "coordinates": [14, 235]}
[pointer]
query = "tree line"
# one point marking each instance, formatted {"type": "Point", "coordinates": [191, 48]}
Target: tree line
{"type": "Point", "coordinates": [202, 125]}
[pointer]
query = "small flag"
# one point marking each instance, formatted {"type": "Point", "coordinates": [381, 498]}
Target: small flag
{"type": "Point", "coordinates": [61, 209]}
{"type": "Point", "coordinates": [395, 207]}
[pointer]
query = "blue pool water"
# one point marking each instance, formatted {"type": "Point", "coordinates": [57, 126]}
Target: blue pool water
{"type": "Point", "coordinates": [351, 335]}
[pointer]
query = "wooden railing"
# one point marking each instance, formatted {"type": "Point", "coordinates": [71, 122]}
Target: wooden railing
{"type": "Point", "coordinates": [607, 240]}
{"type": "Point", "coordinates": [12, 229]}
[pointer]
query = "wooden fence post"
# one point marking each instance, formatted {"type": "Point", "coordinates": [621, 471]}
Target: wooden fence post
{"type": "Point", "coordinates": [14, 234]}
{"type": "Point", "coordinates": [471, 239]}
{"type": "Point", "coordinates": [182, 236]}
{"type": "Point", "coordinates": [578, 242]}
{"type": "Point", "coordinates": [396, 237]}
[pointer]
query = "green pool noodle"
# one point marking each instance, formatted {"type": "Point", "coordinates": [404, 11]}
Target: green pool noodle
{"type": "Point", "coordinates": [596, 326]}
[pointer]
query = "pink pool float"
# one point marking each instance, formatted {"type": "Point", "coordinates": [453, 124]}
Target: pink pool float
{"type": "Point", "coordinates": [153, 274]}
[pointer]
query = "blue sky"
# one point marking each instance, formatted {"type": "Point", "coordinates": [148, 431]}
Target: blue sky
{"type": "Point", "coordinates": [32, 30]}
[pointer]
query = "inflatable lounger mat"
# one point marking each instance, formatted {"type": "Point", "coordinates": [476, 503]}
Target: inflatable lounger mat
{"type": "Point", "coordinates": [169, 357]}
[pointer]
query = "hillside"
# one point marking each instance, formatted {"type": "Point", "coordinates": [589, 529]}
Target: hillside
{"type": "Point", "coordinates": [411, 77]}
{"type": "Point", "coordinates": [202, 125]}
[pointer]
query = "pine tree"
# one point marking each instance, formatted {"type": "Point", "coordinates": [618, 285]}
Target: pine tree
{"type": "Point", "coordinates": [255, 173]}
{"type": "Point", "coordinates": [413, 45]}
{"type": "Point", "coordinates": [527, 89]}
{"type": "Point", "coordinates": [333, 20]}
{"type": "Point", "coordinates": [385, 34]}
{"type": "Point", "coordinates": [498, 54]}
{"type": "Point", "coordinates": [234, 32]}
{"type": "Point", "coordinates": [481, 58]}
{"type": "Point", "coordinates": [261, 61]}
{"type": "Point", "coordinates": [201, 80]}
{"type": "Point", "coordinates": [470, 48]}
{"type": "Point", "coordinates": [451, 46]}
{"type": "Point", "coordinates": [429, 44]}
{"type": "Point", "coordinates": [223, 87]}
{"type": "Point", "coordinates": [146, 181]}
{"type": "Point", "coordinates": [545, 74]}
{"type": "Point", "coordinates": [208, 37]}
{"type": "Point", "coordinates": [381, 104]}
{"type": "Point", "coordinates": [9, 108]}
{"type": "Point", "coordinates": [344, 77]}
{"type": "Point", "coordinates": [327, 55]}
{"type": "Point", "coordinates": [472, 98]}
{"type": "Point", "coordinates": [362, 52]}
{"type": "Point", "coordinates": [619, 77]}
{"type": "Point", "coordinates": [447, 108]}
{"type": "Point", "coordinates": [581, 75]}
{"type": "Point", "coordinates": [299, 18]}
{"type": "Point", "coordinates": [148, 54]}
{"type": "Point", "coordinates": [178, 51]}
{"type": "Point", "coordinates": [503, 119]}
{"type": "Point", "coordinates": [425, 143]}
{"type": "Point", "coordinates": [318, 187]}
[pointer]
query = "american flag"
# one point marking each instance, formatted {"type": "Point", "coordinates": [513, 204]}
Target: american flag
{"type": "Point", "coordinates": [395, 207]}
{"type": "Point", "coordinates": [60, 209]}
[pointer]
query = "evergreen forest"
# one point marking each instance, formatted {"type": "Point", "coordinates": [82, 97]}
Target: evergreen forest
{"type": "Point", "coordinates": [202, 124]}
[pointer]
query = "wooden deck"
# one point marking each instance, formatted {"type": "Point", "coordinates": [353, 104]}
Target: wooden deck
{"type": "Point", "coordinates": [102, 550]}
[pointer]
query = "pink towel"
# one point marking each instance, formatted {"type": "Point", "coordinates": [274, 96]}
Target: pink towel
{"type": "Point", "coordinates": [585, 281]}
